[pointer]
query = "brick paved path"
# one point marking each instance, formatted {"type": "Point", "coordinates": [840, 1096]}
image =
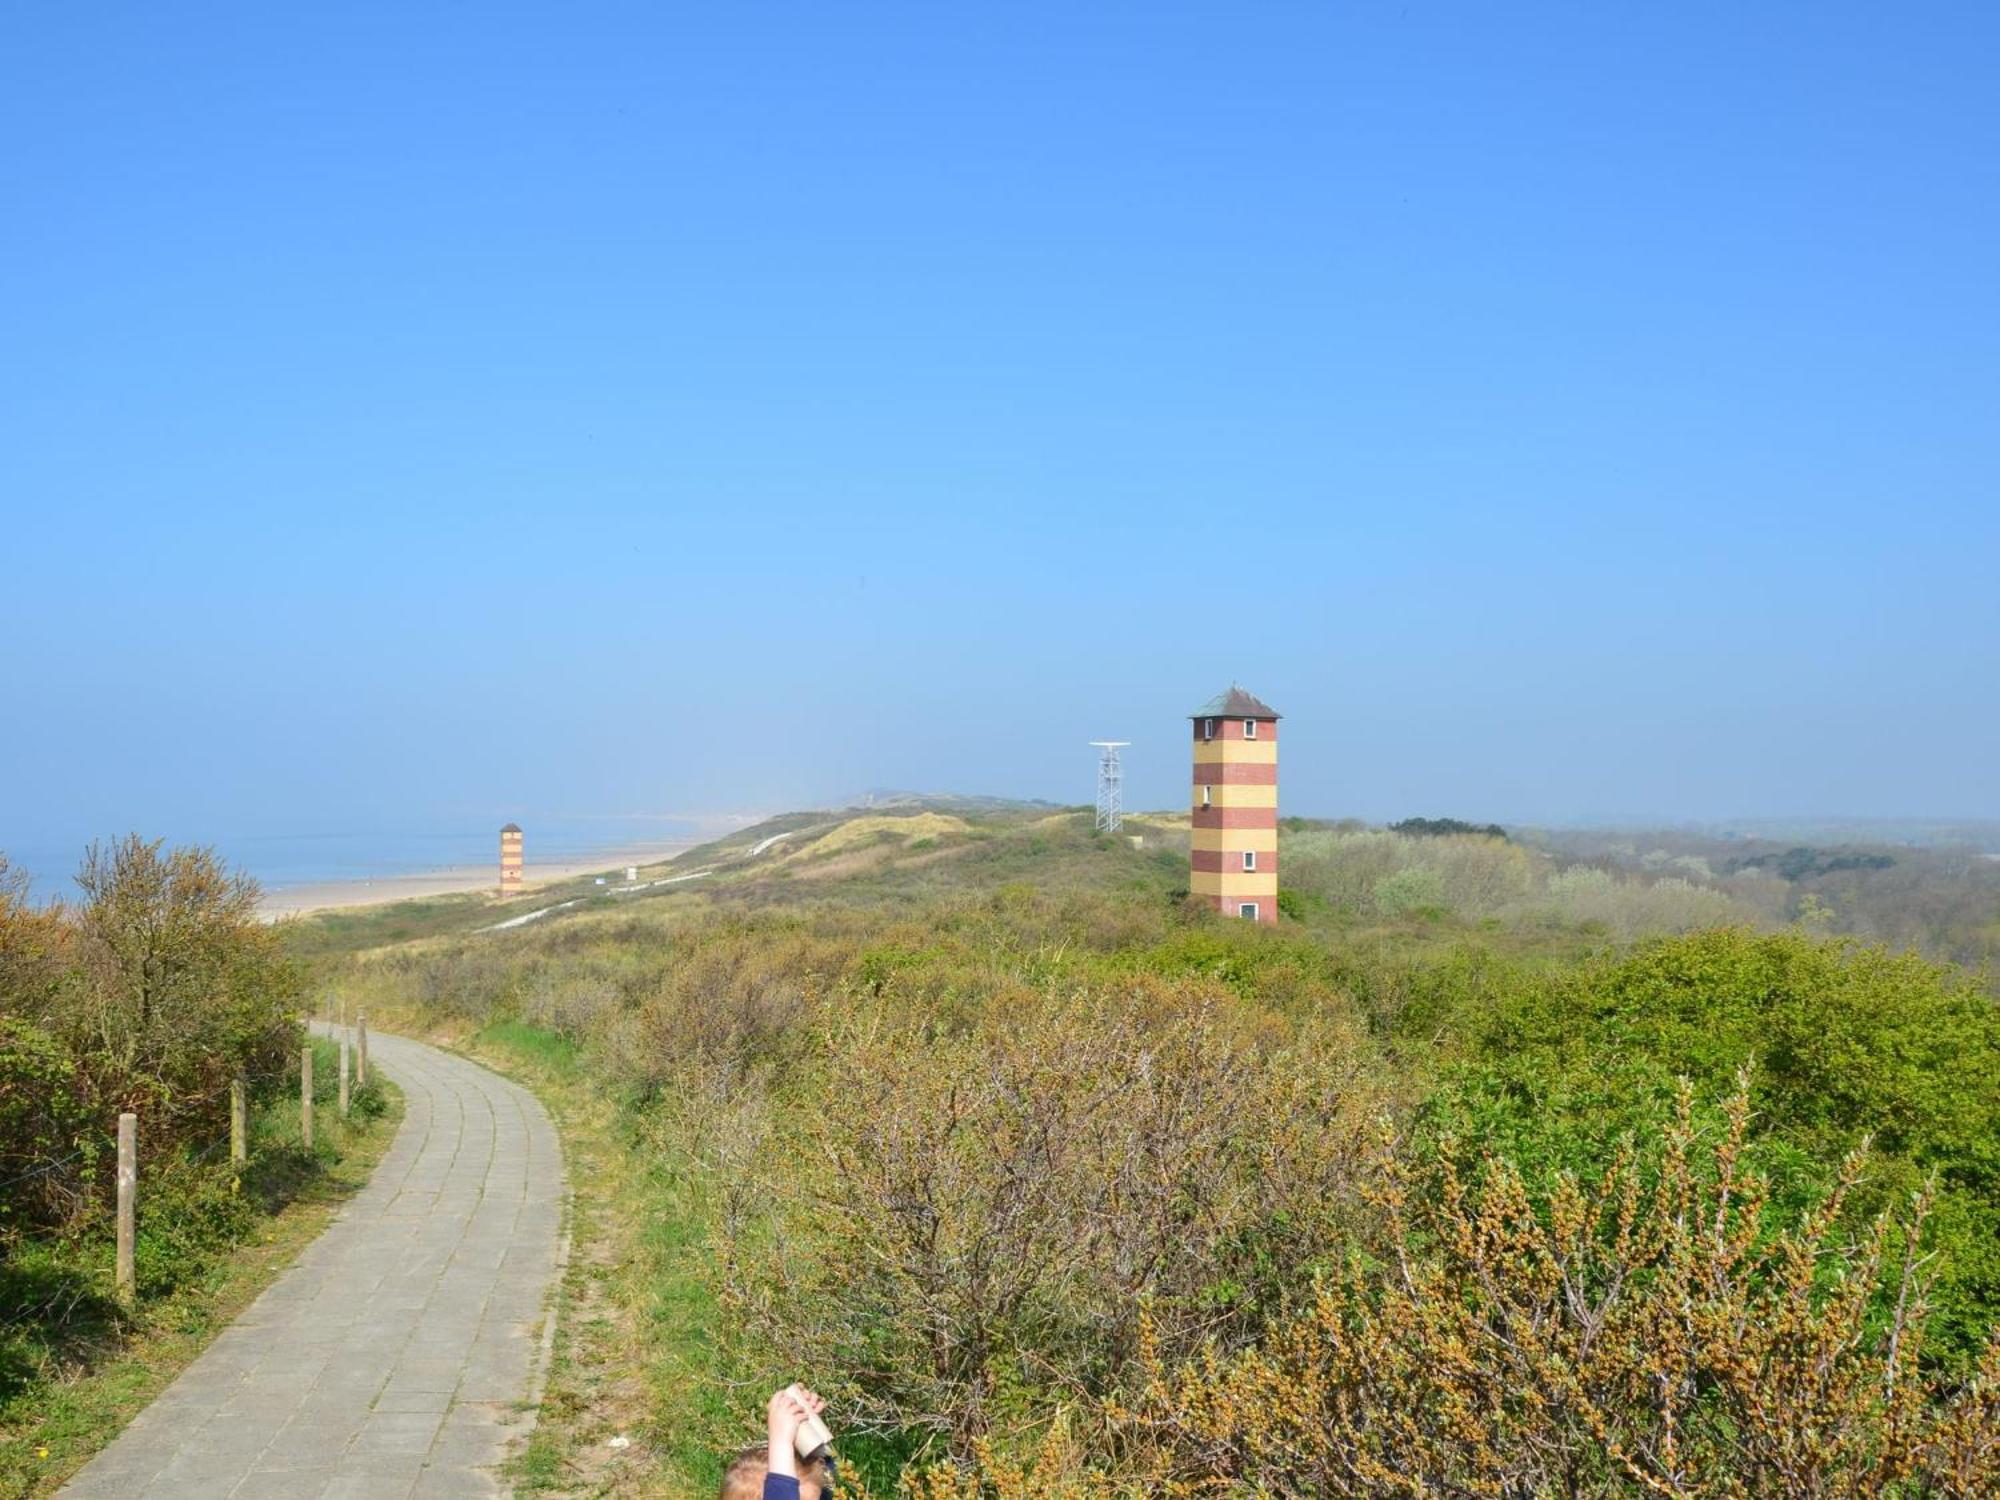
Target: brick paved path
{"type": "Point", "coordinates": [397, 1356]}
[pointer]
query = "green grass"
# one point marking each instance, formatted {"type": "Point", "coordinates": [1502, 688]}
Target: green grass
{"type": "Point", "coordinates": [351, 928]}
{"type": "Point", "coordinates": [75, 1381]}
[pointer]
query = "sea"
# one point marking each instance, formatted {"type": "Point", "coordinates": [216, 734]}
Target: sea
{"type": "Point", "coordinates": [279, 860]}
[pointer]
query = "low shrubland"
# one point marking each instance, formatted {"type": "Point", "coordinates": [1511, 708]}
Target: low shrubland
{"type": "Point", "coordinates": [149, 994]}
{"type": "Point", "coordinates": [1649, 1332]}
{"type": "Point", "coordinates": [1060, 1186]}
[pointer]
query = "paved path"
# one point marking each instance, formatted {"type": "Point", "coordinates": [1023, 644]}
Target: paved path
{"type": "Point", "coordinates": [397, 1356]}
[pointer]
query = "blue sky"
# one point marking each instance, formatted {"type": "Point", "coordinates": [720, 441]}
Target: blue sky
{"type": "Point", "coordinates": [1558, 411]}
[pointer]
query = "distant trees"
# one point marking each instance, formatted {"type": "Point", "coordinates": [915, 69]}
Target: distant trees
{"type": "Point", "coordinates": [1803, 864]}
{"type": "Point", "coordinates": [1439, 828]}
{"type": "Point", "coordinates": [1413, 890]}
{"type": "Point", "coordinates": [1475, 877]}
{"type": "Point", "coordinates": [1386, 874]}
{"type": "Point", "coordinates": [1944, 901]}
{"type": "Point", "coordinates": [1583, 895]}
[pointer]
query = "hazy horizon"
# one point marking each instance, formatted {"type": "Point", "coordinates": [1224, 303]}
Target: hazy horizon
{"type": "Point", "coordinates": [281, 860]}
{"type": "Point", "coordinates": [413, 421]}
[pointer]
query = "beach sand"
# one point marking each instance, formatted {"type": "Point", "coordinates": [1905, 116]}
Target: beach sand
{"type": "Point", "coordinates": [329, 895]}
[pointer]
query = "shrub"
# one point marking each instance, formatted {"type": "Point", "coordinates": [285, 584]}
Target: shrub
{"type": "Point", "coordinates": [967, 1226]}
{"type": "Point", "coordinates": [149, 995]}
{"type": "Point", "coordinates": [1647, 1335]}
{"type": "Point", "coordinates": [44, 1127]}
{"type": "Point", "coordinates": [1843, 1041]}
{"type": "Point", "coordinates": [190, 1210]}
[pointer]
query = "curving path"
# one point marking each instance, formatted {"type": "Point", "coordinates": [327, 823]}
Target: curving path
{"type": "Point", "coordinates": [402, 1352]}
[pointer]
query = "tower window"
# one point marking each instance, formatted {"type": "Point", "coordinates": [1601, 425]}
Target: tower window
{"type": "Point", "coordinates": [1205, 789]}
{"type": "Point", "coordinates": [1249, 859]}
{"type": "Point", "coordinates": [1249, 729]}
{"type": "Point", "coordinates": [1247, 909]}
{"type": "Point", "coordinates": [1208, 729]}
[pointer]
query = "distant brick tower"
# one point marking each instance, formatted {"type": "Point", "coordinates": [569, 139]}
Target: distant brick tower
{"type": "Point", "coordinates": [1234, 860]}
{"type": "Point", "coordinates": [510, 860]}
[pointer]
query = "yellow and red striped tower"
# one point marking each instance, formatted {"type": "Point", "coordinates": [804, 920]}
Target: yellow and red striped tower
{"type": "Point", "coordinates": [1234, 861]}
{"type": "Point", "coordinates": [510, 860]}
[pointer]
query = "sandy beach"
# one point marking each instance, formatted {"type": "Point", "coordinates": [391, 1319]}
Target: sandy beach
{"type": "Point", "coordinates": [329, 895]}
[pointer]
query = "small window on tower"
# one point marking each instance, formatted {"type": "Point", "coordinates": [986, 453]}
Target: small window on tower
{"type": "Point", "coordinates": [1249, 859]}
{"type": "Point", "coordinates": [1208, 729]}
{"type": "Point", "coordinates": [1204, 794]}
{"type": "Point", "coordinates": [1249, 729]}
{"type": "Point", "coordinates": [1248, 909]}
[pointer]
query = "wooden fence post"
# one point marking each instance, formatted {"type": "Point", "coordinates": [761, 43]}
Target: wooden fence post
{"type": "Point", "coordinates": [239, 1122]}
{"type": "Point", "coordinates": [128, 1192]}
{"type": "Point", "coordinates": [361, 1054]}
{"type": "Point", "coordinates": [343, 1077]}
{"type": "Point", "coordinates": [306, 1095]}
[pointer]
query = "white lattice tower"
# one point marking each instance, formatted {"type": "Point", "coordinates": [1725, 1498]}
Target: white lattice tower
{"type": "Point", "coordinates": [1110, 785]}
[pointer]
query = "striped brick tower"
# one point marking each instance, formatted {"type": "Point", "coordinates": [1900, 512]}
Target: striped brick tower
{"type": "Point", "coordinates": [1234, 859]}
{"type": "Point", "coordinates": [510, 860]}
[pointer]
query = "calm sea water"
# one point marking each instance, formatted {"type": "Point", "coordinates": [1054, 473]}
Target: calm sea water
{"type": "Point", "coordinates": [278, 860]}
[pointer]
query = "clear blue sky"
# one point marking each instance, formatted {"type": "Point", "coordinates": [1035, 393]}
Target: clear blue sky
{"type": "Point", "coordinates": [1557, 410]}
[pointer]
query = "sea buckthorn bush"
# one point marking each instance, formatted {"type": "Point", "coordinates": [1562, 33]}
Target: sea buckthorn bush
{"type": "Point", "coordinates": [148, 993]}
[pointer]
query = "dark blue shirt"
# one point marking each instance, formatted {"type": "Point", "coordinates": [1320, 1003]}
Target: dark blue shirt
{"type": "Point", "coordinates": [780, 1487]}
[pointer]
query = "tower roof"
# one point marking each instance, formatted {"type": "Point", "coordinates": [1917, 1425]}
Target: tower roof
{"type": "Point", "coordinates": [1235, 704]}
{"type": "Point", "coordinates": [512, 828]}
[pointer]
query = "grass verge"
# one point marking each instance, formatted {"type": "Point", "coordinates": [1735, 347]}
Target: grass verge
{"type": "Point", "coordinates": [57, 1418]}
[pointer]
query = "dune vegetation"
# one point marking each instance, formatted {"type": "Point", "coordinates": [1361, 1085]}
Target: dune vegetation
{"type": "Point", "coordinates": [148, 994]}
{"type": "Point", "coordinates": [1483, 1172]}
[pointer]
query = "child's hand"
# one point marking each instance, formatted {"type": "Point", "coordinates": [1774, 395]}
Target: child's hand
{"type": "Point", "coordinates": [788, 1409]}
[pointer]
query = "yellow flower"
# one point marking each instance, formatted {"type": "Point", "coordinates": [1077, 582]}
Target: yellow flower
{"type": "Point", "coordinates": [42, 1452]}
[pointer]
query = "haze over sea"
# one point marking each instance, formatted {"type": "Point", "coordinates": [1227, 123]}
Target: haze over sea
{"type": "Point", "coordinates": [314, 856]}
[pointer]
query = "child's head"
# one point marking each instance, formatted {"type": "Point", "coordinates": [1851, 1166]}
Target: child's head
{"type": "Point", "coordinates": [744, 1479]}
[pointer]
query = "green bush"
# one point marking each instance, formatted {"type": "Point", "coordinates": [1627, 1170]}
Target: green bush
{"type": "Point", "coordinates": [190, 1214]}
{"type": "Point", "coordinates": [1842, 1042]}
{"type": "Point", "coordinates": [44, 1126]}
{"type": "Point", "coordinates": [150, 994]}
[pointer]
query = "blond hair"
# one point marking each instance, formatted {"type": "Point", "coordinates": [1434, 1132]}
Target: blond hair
{"type": "Point", "coordinates": [744, 1478]}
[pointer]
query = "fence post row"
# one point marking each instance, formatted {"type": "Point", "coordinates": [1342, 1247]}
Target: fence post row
{"type": "Point", "coordinates": [239, 1123]}
{"type": "Point", "coordinates": [128, 1189]}
{"type": "Point", "coordinates": [306, 1095]}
